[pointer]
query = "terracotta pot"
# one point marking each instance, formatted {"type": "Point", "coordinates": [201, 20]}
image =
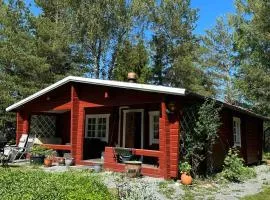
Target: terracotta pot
{"type": "Point", "coordinates": [48, 162]}
{"type": "Point", "coordinates": [186, 179]}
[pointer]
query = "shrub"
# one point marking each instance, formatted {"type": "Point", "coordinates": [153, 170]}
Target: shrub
{"type": "Point", "coordinates": [184, 167]}
{"type": "Point", "coordinates": [266, 156]}
{"type": "Point", "coordinates": [38, 150]}
{"type": "Point", "coordinates": [33, 184]}
{"type": "Point", "coordinates": [201, 134]}
{"type": "Point", "coordinates": [234, 169]}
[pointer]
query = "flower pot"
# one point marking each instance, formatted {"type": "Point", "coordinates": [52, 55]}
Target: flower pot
{"type": "Point", "coordinates": [37, 159]}
{"type": "Point", "coordinates": [69, 161]}
{"type": "Point", "coordinates": [48, 162]}
{"type": "Point", "coordinates": [133, 168]}
{"type": "Point", "coordinates": [97, 168]}
{"type": "Point", "coordinates": [186, 179]}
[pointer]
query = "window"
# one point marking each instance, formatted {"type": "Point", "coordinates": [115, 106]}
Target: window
{"type": "Point", "coordinates": [97, 126]}
{"type": "Point", "coordinates": [237, 131]}
{"type": "Point", "coordinates": [154, 127]}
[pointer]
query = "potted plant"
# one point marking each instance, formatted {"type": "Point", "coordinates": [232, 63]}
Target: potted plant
{"type": "Point", "coordinates": [68, 159]}
{"type": "Point", "coordinates": [123, 154]}
{"type": "Point", "coordinates": [49, 158]}
{"type": "Point", "coordinates": [185, 169]}
{"type": "Point", "coordinates": [38, 153]}
{"type": "Point", "coordinates": [267, 158]}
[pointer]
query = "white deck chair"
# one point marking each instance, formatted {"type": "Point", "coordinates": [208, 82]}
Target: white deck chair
{"type": "Point", "coordinates": [20, 150]}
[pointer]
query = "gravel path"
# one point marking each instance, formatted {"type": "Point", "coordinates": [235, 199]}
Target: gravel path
{"type": "Point", "coordinates": [158, 189]}
{"type": "Point", "coordinates": [149, 188]}
{"type": "Point", "coordinates": [251, 186]}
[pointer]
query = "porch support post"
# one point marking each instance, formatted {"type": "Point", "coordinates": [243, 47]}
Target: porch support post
{"type": "Point", "coordinates": [174, 127]}
{"type": "Point", "coordinates": [164, 142]}
{"type": "Point", "coordinates": [75, 104]}
{"type": "Point", "coordinates": [22, 124]}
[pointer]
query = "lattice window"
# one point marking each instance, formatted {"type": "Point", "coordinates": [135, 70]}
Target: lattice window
{"type": "Point", "coordinates": [43, 126]}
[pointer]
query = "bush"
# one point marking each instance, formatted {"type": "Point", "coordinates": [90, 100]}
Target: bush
{"type": "Point", "coordinates": [184, 167]}
{"type": "Point", "coordinates": [234, 169]}
{"type": "Point", "coordinates": [33, 184]}
{"type": "Point", "coordinates": [266, 156]}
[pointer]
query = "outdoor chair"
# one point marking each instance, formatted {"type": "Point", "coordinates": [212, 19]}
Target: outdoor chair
{"type": "Point", "coordinates": [9, 157]}
{"type": "Point", "coordinates": [22, 149]}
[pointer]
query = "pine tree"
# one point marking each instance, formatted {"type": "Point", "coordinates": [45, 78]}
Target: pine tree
{"type": "Point", "coordinates": [132, 58]}
{"type": "Point", "coordinates": [218, 59]}
{"type": "Point", "coordinates": [173, 25]}
{"type": "Point", "coordinates": [252, 36]}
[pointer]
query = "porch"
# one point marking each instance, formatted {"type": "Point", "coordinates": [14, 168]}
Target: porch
{"type": "Point", "coordinates": [90, 130]}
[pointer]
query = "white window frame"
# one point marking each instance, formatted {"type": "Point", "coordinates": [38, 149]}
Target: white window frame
{"type": "Point", "coordinates": [125, 121]}
{"type": "Point", "coordinates": [152, 140]}
{"type": "Point", "coordinates": [237, 131]}
{"type": "Point", "coordinates": [96, 116]}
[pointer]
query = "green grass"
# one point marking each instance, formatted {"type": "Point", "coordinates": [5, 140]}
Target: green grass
{"type": "Point", "coordinates": [264, 195]}
{"type": "Point", "coordinates": [28, 184]}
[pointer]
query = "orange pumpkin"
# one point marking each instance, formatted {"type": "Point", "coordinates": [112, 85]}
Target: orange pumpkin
{"type": "Point", "coordinates": [186, 179]}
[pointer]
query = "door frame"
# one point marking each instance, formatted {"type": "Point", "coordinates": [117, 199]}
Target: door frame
{"type": "Point", "coordinates": [125, 121]}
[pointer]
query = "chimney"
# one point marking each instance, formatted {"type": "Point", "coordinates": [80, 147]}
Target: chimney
{"type": "Point", "coordinates": [132, 77]}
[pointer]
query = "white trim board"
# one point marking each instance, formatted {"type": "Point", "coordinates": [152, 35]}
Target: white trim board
{"type": "Point", "coordinates": [124, 125]}
{"type": "Point", "coordinates": [151, 114]}
{"type": "Point", "coordinates": [109, 83]}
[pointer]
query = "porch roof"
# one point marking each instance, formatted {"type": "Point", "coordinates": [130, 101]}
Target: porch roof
{"type": "Point", "coordinates": [128, 85]}
{"type": "Point", "coordinates": [109, 83]}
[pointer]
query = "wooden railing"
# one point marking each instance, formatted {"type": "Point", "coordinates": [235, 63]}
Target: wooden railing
{"type": "Point", "coordinates": [58, 146]}
{"type": "Point", "coordinates": [145, 152]}
{"type": "Point", "coordinates": [110, 161]}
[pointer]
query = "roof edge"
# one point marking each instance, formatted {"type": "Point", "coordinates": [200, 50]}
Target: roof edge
{"type": "Point", "coordinates": [108, 83]}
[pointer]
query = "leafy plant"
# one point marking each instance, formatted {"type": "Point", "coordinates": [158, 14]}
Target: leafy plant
{"type": "Point", "coordinates": [201, 135]}
{"type": "Point", "coordinates": [39, 150]}
{"type": "Point", "coordinates": [234, 169]}
{"type": "Point", "coordinates": [184, 167]}
{"type": "Point", "coordinates": [266, 156]}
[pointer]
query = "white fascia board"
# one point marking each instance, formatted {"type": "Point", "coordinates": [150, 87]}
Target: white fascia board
{"type": "Point", "coordinates": [109, 83]}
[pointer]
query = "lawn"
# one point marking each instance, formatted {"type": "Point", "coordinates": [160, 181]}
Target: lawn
{"type": "Point", "coordinates": [265, 194]}
{"type": "Point", "coordinates": [18, 183]}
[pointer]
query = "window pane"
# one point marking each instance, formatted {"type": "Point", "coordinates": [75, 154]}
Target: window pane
{"type": "Point", "coordinates": [97, 127]}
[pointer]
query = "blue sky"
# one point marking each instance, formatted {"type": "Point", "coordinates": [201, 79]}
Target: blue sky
{"type": "Point", "coordinates": [209, 10]}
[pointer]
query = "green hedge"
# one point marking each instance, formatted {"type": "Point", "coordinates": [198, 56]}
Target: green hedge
{"type": "Point", "coordinates": [36, 184]}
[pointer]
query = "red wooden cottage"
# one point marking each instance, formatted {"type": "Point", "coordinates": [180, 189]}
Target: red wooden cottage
{"type": "Point", "coordinates": [90, 117]}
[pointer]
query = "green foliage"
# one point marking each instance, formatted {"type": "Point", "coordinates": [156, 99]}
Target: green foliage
{"type": "Point", "coordinates": [252, 42]}
{"type": "Point", "coordinates": [218, 59]}
{"type": "Point", "coordinates": [199, 140]}
{"type": "Point", "coordinates": [266, 155]}
{"type": "Point", "coordinates": [18, 184]}
{"type": "Point", "coordinates": [39, 150]}
{"type": "Point", "coordinates": [176, 48]}
{"type": "Point", "coordinates": [184, 167]}
{"type": "Point", "coordinates": [234, 169]}
{"type": "Point", "coordinates": [132, 58]}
